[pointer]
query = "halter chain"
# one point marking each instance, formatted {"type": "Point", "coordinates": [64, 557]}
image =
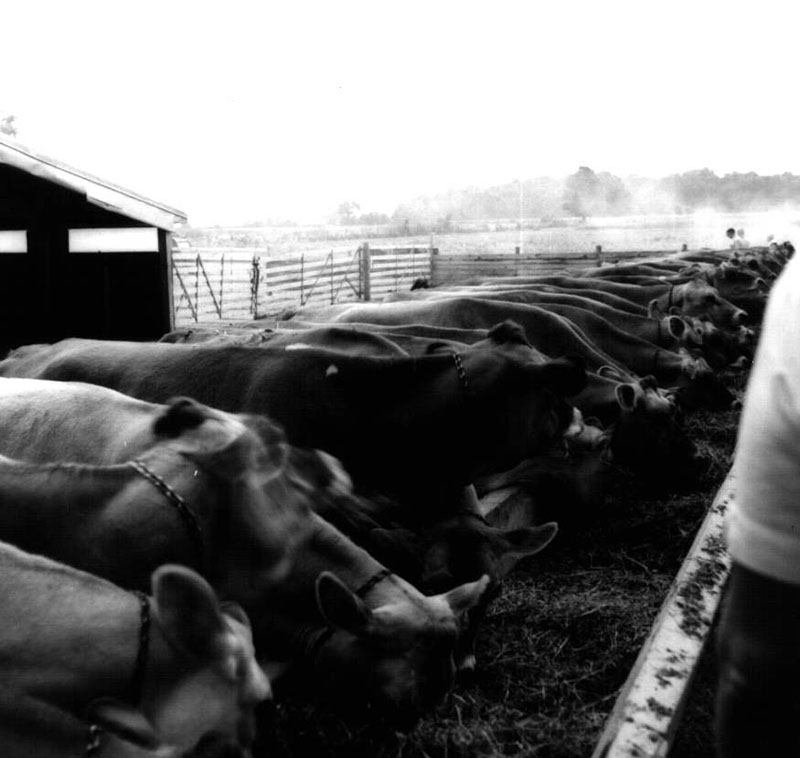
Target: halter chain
{"type": "Point", "coordinates": [462, 374]}
{"type": "Point", "coordinates": [372, 582]}
{"type": "Point", "coordinates": [174, 499]}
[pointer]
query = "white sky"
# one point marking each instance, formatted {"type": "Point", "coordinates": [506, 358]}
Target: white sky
{"type": "Point", "coordinates": [234, 111]}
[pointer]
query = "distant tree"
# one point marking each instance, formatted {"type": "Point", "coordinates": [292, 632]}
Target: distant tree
{"type": "Point", "coordinates": [580, 192]}
{"type": "Point", "coordinates": [7, 126]}
{"type": "Point", "coordinates": [589, 194]}
{"type": "Point", "coordinates": [372, 219]}
{"type": "Point", "coordinates": [347, 212]}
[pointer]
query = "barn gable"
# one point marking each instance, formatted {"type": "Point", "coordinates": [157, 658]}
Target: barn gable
{"type": "Point", "coordinates": [79, 256]}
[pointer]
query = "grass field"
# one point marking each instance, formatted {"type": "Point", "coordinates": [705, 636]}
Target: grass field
{"type": "Point", "coordinates": [646, 233]}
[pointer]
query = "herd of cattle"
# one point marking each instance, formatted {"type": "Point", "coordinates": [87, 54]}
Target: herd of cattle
{"type": "Point", "coordinates": [311, 501]}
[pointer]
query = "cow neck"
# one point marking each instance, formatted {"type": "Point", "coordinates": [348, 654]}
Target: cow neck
{"type": "Point", "coordinates": [136, 687]}
{"type": "Point", "coordinates": [654, 368]}
{"type": "Point", "coordinates": [175, 500]}
{"type": "Point", "coordinates": [114, 644]}
{"type": "Point", "coordinates": [460, 371]}
{"type": "Point", "coordinates": [360, 572]}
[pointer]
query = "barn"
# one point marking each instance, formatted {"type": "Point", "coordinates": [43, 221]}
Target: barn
{"type": "Point", "coordinates": [79, 256]}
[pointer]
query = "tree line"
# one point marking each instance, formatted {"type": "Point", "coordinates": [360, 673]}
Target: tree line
{"type": "Point", "coordinates": [588, 193]}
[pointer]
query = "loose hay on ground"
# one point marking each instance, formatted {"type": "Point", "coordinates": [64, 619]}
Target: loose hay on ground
{"type": "Point", "coordinates": [558, 644]}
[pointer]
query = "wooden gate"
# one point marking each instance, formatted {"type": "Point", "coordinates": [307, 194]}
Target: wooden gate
{"type": "Point", "coordinates": [211, 284]}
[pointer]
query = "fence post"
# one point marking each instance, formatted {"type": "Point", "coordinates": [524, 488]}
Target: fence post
{"type": "Point", "coordinates": [197, 284]}
{"type": "Point", "coordinates": [433, 252]}
{"type": "Point", "coordinates": [332, 295]}
{"type": "Point", "coordinates": [364, 273]}
{"type": "Point", "coordinates": [265, 275]}
{"type": "Point", "coordinates": [221, 283]}
{"type": "Point", "coordinates": [255, 276]}
{"type": "Point", "coordinates": [599, 253]}
{"type": "Point", "coordinates": [302, 278]}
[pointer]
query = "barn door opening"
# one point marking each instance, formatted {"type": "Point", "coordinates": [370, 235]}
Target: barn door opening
{"type": "Point", "coordinates": [111, 285]}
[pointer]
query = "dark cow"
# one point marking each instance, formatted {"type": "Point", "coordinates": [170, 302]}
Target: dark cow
{"type": "Point", "coordinates": [448, 418]}
{"type": "Point", "coordinates": [340, 338]}
{"type": "Point", "coordinates": [640, 421]}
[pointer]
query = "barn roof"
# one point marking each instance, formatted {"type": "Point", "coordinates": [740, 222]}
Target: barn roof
{"type": "Point", "coordinates": [97, 191]}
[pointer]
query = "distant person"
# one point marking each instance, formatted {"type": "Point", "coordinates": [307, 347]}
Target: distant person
{"type": "Point", "coordinates": [741, 240]}
{"type": "Point", "coordinates": [758, 642]}
{"type": "Point", "coordinates": [730, 233]}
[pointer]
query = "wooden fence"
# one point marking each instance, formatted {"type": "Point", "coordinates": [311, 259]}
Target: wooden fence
{"type": "Point", "coordinates": [455, 269]}
{"type": "Point", "coordinates": [213, 284]}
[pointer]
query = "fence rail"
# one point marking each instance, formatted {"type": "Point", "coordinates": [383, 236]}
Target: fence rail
{"type": "Point", "coordinates": [212, 284]}
{"type": "Point", "coordinates": [241, 284]}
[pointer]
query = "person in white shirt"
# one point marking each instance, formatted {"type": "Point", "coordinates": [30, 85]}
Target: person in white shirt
{"type": "Point", "coordinates": [758, 643]}
{"type": "Point", "coordinates": [730, 233]}
{"type": "Point", "coordinates": [741, 240]}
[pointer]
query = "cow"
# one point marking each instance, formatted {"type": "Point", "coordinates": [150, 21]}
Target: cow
{"type": "Point", "coordinates": [694, 298]}
{"type": "Point", "coordinates": [402, 657]}
{"type": "Point", "coordinates": [562, 329]}
{"type": "Point", "coordinates": [362, 632]}
{"type": "Point", "coordinates": [154, 672]}
{"type": "Point", "coordinates": [233, 509]}
{"type": "Point", "coordinates": [337, 338]}
{"type": "Point", "coordinates": [215, 504]}
{"type": "Point", "coordinates": [448, 418]}
{"type": "Point", "coordinates": [667, 330]}
{"type": "Point", "coordinates": [639, 419]}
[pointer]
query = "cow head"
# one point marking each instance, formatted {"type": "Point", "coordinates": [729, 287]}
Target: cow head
{"type": "Point", "coordinates": [698, 298]}
{"type": "Point", "coordinates": [253, 513]}
{"type": "Point", "coordinates": [398, 655]}
{"type": "Point", "coordinates": [699, 386]}
{"type": "Point", "coordinates": [648, 439]}
{"type": "Point", "coordinates": [204, 675]}
{"type": "Point", "coordinates": [450, 417]}
{"type": "Point", "coordinates": [464, 546]}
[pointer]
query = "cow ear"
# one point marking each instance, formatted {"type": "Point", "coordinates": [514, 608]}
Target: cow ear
{"type": "Point", "coordinates": [654, 309]}
{"type": "Point", "coordinates": [520, 543]}
{"type": "Point", "coordinates": [531, 540]}
{"type": "Point", "coordinates": [189, 612]}
{"type": "Point", "coordinates": [466, 596]}
{"type": "Point", "coordinates": [626, 396]}
{"type": "Point", "coordinates": [676, 326]}
{"type": "Point", "coordinates": [610, 372]}
{"type": "Point", "coordinates": [339, 606]}
{"type": "Point", "coordinates": [124, 721]}
{"type": "Point", "coordinates": [438, 347]}
{"type": "Point", "coordinates": [565, 376]}
{"type": "Point", "coordinates": [235, 611]}
{"type": "Point", "coordinates": [181, 414]}
{"type": "Point", "coordinates": [508, 331]}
